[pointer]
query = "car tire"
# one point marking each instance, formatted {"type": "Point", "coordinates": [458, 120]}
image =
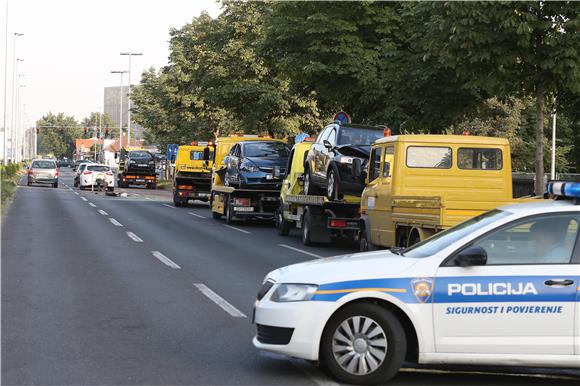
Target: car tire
{"type": "Point", "coordinates": [365, 244]}
{"type": "Point", "coordinates": [333, 185]}
{"type": "Point", "coordinates": [55, 185]}
{"type": "Point", "coordinates": [309, 188]}
{"type": "Point", "coordinates": [282, 225]}
{"type": "Point", "coordinates": [363, 332]}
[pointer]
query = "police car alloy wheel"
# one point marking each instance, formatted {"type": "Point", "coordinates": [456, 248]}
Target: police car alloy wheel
{"type": "Point", "coordinates": [363, 343]}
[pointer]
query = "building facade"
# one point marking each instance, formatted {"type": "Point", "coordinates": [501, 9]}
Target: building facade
{"type": "Point", "coordinates": [111, 107]}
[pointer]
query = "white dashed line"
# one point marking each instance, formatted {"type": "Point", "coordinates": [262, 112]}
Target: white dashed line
{"type": "Point", "coordinates": [224, 305]}
{"type": "Point", "coordinates": [115, 222]}
{"type": "Point", "coordinates": [237, 229]}
{"type": "Point", "coordinates": [148, 198]}
{"type": "Point", "coordinates": [84, 199]}
{"type": "Point", "coordinates": [196, 215]}
{"type": "Point", "coordinates": [77, 193]}
{"type": "Point", "coordinates": [93, 205]}
{"type": "Point", "coordinates": [301, 251]}
{"type": "Point", "coordinates": [134, 237]}
{"type": "Point", "coordinates": [169, 206]}
{"type": "Point", "coordinates": [103, 212]}
{"type": "Point", "coordinates": [165, 260]}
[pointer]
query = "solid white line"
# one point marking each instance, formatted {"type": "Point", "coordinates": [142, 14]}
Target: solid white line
{"type": "Point", "coordinates": [84, 199]}
{"type": "Point", "coordinates": [134, 237]}
{"type": "Point", "coordinates": [165, 260]}
{"type": "Point", "coordinates": [169, 206]}
{"type": "Point", "coordinates": [196, 215]}
{"type": "Point", "coordinates": [103, 212]}
{"type": "Point", "coordinates": [93, 205]}
{"type": "Point", "coordinates": [115, 222]}
{"type": "Point", "coordinates": [224, 305]}
{"type": "Point", "coordinates": [237, 229]}
{"type": "Point", "coordinates": [301, 251]}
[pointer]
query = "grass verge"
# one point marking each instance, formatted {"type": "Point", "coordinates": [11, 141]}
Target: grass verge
{"type": "Point", "coordinates": [9, 177]}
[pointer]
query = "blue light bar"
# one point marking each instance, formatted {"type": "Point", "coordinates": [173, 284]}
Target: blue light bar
{"type": "Point", "coordinates": [564, 189]}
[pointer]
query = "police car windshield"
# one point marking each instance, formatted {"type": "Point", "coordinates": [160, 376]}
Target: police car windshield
{"type": "Point", "coordinates": [444, 239]}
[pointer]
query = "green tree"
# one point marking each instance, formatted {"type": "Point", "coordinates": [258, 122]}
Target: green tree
{"type": "Point", "coordinates": [511, 48]}
{"type": "Point", "coordinates": [57, 134]}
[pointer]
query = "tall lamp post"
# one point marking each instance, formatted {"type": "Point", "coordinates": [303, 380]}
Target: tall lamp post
{"type": "Point", "coordinates": [120, 107]}
{"type": "Point", "coordinates": [16, 34]}
{"type": "Point", "coordinates": [19, 127]}
{"type": "Point", "coordinates": [129, 54]}
{"type": "Point", "coordinates": [13, 107]}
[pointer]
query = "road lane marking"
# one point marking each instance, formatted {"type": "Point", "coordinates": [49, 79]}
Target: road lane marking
{"type": "Point", "coordinates": [221, 302]}
{"type": "Point", "coordinates": [93, 205]}
{"type": "Point", "coordinates": [148, 198]}
{"type": "Point", "coordinates": [134, 237]}
{"type": "Point", "coordinates": [196, 215]}
{"type": "Point", "coordinates": [84, 199]}
{"type": "Point", "coordinates": [165, 260]}
{"type": "Point", "coordinates": [301, 251]}
{"type": "Point", "coordinates": [103, 212]}
{"type": "Point", "coordinates": [77, 193]}
{"type": "Point", "coordinates": [115, 222]}
{"type": "Point", "coordinates": [169, 206]}
{"type": "Point", "coordinates": [237, 229]}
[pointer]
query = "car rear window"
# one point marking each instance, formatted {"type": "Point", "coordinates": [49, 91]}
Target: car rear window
{"type": "Point", "coordinates": [358, 136]}
{"type": "Point", "coordinates": [140, 155]}
{"type": "Point", "coordinates": [98, 168]}
{"type": "Point", "coordinates": [433, 157]}
{"type": "Point", "coordinates": [196, 155]}
{"type": "Point", "coordinates": [478, 158]}
{"type": "Point", "coordinates": [44, 164]}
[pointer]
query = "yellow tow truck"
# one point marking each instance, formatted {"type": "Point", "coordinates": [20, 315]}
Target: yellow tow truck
{"type": "Point", "coordinates": [238, 201]}
{"type": "Point", "coordinates": [192, 179]}
{"type": "Point", "coordinates": [417, 185]}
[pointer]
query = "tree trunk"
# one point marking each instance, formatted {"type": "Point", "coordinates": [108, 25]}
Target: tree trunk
{"type": "Point", "coordinates": [539, 187]}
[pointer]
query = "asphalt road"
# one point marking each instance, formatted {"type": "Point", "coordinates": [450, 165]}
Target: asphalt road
{"type": "Point", "coordinates": [121, 290]}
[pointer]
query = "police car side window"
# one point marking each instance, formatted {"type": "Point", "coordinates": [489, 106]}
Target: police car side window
{"type": "Point", "coordinates": [546, 239]}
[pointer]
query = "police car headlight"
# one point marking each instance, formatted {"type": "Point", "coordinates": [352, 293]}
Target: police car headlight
{"type": "Point", "coordinates": [293, 292]}
{"type": "Point", "coordinates": [345, 160]}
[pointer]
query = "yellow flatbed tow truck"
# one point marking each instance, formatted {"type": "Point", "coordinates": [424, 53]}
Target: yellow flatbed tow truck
{"type": "Point", "coordinates": [192, 179]}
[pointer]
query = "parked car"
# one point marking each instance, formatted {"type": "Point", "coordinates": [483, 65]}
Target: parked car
{"type": "Point", "coordinates": [338, 149]}
{"type": "Point", "coordinates": [91, 175]}
{"type": "Point", "coordinates": [80, 168]}
{"type": "Point", "coordinates": [257, 164]}
{"type": "Point", "coordinates": [65, 162]}
{"type": "Point", "coordinates": [43, 171]}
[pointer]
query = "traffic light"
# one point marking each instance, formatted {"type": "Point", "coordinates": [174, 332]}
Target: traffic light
{"type": "Point", "coordinates": [62, 130]}
{"type": "Point", "coordinates": [86, 130]}
{"type": "Point", "coordinates": [37, 130]}
{"type": "Point", "coordinates": [106, 132]}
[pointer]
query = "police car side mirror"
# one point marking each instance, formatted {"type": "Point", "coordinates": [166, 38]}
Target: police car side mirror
{"type": "Point", "coordinates": [356, 168]}
{"type": "Point", "coordinates": [472, 256]}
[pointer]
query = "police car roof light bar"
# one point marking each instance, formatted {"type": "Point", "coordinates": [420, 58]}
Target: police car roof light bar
{"type": "Point", "coordinates": [565, 189]}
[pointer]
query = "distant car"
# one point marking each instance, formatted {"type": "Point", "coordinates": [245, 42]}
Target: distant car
{"type": "Point", "coordinates": [139, 161]}
{"type": "Point", "coordinates": [91, 175]}
{"type": "Point", "coordinates": [257, 164]}
{"type": "Point", "coordinates": [43, 171]}
{"type": "Point", "coordinates": [79, 169]}
{"type": "Point", "coordinates": [65, 162]}
{"type": "Point", "coordinates": [330, 161]}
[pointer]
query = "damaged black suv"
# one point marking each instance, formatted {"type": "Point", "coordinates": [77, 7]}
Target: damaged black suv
{"type": "Point", "coordinates": [336, 161]}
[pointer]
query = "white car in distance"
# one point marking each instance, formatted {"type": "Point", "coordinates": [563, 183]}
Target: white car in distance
{"type": "Point", "coordinates": [92, 173]}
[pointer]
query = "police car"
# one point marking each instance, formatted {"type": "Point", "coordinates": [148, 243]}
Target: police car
{"type": "Point", "coordinates": [502, 288]}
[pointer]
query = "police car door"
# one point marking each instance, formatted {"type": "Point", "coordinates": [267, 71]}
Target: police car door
{"type": "Point", "coordinates": [522, 299]}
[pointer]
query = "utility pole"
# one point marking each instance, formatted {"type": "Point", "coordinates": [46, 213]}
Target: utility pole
{"type": "Point", "coordinates": [130, 54]}
{"type": "Point", "coordinates": [14, 70]}
{"type": "Point", "coordinates": [553, 166]}
{"type": "Point", "coordinates": [4, 153]}
{"type": "Point", "coordinates": [120, 107]}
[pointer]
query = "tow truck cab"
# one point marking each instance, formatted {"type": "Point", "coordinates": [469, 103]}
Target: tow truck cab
{"type": "Point", "coordinates": [236, 203]}
{"type": "Point", "coordinates": [418, 185]}
{"type": "Point", "coordinates": [192, 179]}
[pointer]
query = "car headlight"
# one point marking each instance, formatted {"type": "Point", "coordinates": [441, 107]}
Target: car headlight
{"type": "Point", "coordinates": [343, 159]}
{"type": "Point", "coordinates": [249, 167]}
{"type": "Point", "coordinates": [293, 293]}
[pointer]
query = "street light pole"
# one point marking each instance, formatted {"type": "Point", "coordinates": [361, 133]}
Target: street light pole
{"type": "Point", "coordinates": [17, 120]}
{"type": "Point", "coordinates": [12, 110]}
{"type": "Point", "coordinates": [4, 154]}
{"type": "Point", "coordinates": [120, 108]}
{"type": "Point", "coordinates": [130, 54]}
{"type": "Point", "coordinates": [15, 65]}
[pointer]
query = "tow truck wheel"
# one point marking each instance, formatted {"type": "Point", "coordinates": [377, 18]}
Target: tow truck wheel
{"type": "Point", "coordinates": [229, 213]}
{"type": "Point", "coordinates": [306, 231]}
{"type": "Point", "coordinates": [282, 225]}
{"type": "Point", "coordinates": [363, 344]}
{"type": "Point", "coordinates": [365, 243]}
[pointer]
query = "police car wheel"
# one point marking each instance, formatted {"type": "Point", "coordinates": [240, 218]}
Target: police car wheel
{"type": "Point", "coordinates": [363, 344]}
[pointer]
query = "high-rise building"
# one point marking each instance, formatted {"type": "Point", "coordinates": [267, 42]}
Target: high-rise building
{"type": "Point", "coordinates": [111, 108]}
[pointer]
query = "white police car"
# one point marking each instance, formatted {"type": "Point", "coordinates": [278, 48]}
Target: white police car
{"type": "Point", "coordinates": [500, 289]}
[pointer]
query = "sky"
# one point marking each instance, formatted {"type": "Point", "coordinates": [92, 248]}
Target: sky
{"type": "Point", "coordinates": [69, 48]}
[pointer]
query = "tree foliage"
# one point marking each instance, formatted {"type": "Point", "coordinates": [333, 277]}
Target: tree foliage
{"type": "Point", "coordinates": [284, 67]}
{"type": "Point", "coordinates": [57, 134]}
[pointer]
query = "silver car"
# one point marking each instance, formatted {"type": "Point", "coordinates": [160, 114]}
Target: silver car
{"type": "Point", "coordinates": [43, 171]}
